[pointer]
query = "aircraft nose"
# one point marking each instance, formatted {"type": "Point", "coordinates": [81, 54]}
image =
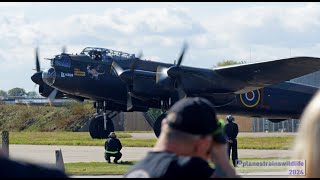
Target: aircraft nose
{"type": "Point", "coordinates": [49, 76]}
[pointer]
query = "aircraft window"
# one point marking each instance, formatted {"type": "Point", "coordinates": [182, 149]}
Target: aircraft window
{"type": "Point", "coordinates": [62, 60]}
{"type": "Point", "coordinates": [102, 54]}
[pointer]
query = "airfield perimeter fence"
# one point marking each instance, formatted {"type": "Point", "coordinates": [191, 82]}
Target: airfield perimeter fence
{"type": "Point", "coordinates": [264, 125]}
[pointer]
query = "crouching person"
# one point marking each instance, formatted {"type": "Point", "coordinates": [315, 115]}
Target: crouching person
{"type": "Point", "coordinates": [112, 148]}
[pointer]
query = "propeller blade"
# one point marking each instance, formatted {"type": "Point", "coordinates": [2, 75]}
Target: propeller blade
{"type": "Point", "coordinates": [181, 93]}
{"type": "Point", "coordinates": [129, 101]}
{"type": "Point", "coordinates": [37, 60]}
{"type": "Point", "coordinates": [184, 48]}
{"type": "Point", "coordinates": [52, 96]}
{"type": "Point", "coordinates": [161, 74]}
{"type": "Point", "coordinates": [134, 64]}
{"type": "Point", "coordinates": [117, 68]}
{"type": "Point", "coordinates": [35, 86]}
{"type": "Point", "coordinates": [136, 61]}
{"type": "Point", "coordinates": [140, 55]}
{"type": "Point", "coordinates": [180, 90]}
{"type": "Point", "coordinates": [64, 49]}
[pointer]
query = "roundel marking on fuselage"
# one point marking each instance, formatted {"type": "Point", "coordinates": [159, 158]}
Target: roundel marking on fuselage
{"type": "Point", "coordinates": [250, 99]}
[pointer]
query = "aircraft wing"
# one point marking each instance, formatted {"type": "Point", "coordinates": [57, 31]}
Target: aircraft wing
{"type": "Point", "coordinates": [266, 73]}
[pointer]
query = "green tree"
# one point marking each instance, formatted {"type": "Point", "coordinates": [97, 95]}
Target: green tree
{"type": "Point", "coordinates": [32, 94]}
{"type": "Point", "coordinates": [16, 92]}
{"type": "Point", "coordinates": [3, 93]}
{"type": "Point", "coordinates": [229, 62]}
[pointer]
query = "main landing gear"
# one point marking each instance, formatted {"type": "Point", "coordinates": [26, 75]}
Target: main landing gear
{"type": "Point", "coordinates": [101, 123]}
{"type": "Point", "coordinates": [165, 105]}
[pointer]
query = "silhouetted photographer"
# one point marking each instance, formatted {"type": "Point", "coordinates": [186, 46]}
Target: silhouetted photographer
{"type": "Point", "coordinates": [191, 137]}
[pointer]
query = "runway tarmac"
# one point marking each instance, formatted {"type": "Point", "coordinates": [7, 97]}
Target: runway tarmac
{"type": "Point", "coordinates": [45, 154]}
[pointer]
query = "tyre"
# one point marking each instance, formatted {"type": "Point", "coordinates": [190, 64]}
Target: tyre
{"type": "Point", "coordinates": [96, 128]}
{"type": "Point", "coordinates": [157, 124]}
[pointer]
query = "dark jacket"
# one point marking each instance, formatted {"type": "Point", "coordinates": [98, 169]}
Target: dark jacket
{"type": "Point", "coordinates": [113, 144]}
{"type": "Point", "coordinates": [231, 130]}
{"type": "Point", "coordinates": [15, 169]}
{"type": "Point", "coordinates": [169, 165]}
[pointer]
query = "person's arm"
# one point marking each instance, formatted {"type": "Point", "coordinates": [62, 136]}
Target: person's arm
{"type": "Point", "coordinates": [236, 131]}
{"type": "Point", "coordinates": [221, 162]}
{"type": "Point", "coordinates": [106, 145]}
{"type": "Point", "coordinates": [120, 145]}
{"type": "Point", "coordinates": [227, 132]}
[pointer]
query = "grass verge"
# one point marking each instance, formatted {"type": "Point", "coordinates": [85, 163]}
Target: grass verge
{"type": "Point", "coordinates": [97, 168]}
{"type": "Point", "coordinates": [279, 142]}
{"type": "Point", "coordinates": [84, 139]}
{"type": "Point", "coordinates": [103, 168]}
{"type": "Point", "coordinates": [58, 138]}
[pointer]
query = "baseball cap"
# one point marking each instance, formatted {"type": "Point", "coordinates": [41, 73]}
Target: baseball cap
{"type": "Point", "coordinates": [196, 116]}
{"type": "Point", "coordinates": [230, 118]}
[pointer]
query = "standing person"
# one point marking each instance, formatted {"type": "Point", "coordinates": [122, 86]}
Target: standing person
{"type": "Point", "coordinates": [191, 136]}
{"type": "Point", "coordinates": [307, 144]}
{"type": "Point", "coordinates": [232, 130]}
{"type": "Point", "coordinates": [112, 147]}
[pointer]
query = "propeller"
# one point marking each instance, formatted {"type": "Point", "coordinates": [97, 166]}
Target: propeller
{"type": "Point", "coordinates": [184, 48]}
{"type": "Point", "coordinates": [136, 61]}
{"type": "Point", "coordinates": [64, 49]}
{"type": "Point", "coordinates": [54, 92]}
{"type": "Point", "coordinates": [128, 77]}
{"type": "Point", "coordinates": [164, 73]}
{"type": "Point", "coordinates": [37, 77]}
{"type": "Point", "coordinates": [52, 96]}
{"type": "Point", "coordinates": [37, 60]}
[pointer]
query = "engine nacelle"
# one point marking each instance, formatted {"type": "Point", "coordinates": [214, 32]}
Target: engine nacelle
{"type": "Point", "coordinates": [119, 107]}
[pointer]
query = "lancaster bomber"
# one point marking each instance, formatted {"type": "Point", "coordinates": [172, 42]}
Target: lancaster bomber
{"type": "Point", "coordinates": [122, 82]}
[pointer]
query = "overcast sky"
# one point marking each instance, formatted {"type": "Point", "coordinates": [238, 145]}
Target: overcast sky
{"type": "Point", "coordinates": [215, 31]}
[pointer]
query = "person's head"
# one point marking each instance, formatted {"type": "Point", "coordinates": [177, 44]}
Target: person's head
{"type": "Point", "coordinates": [230, 118]}
{"type": "Point", "coordinates": [190, 127]}
{"type": "Point", "coordinates": [112, 135]}
{"type": "Point", "coordinates": [307, 143]}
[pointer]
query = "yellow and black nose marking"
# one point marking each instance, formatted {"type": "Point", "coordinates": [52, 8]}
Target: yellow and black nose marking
{"type": "Point", "coordinates": [250, 99]}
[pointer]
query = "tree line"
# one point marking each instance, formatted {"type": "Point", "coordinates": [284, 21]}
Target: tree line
{"type": "Point", "coordinates": [17, 92]}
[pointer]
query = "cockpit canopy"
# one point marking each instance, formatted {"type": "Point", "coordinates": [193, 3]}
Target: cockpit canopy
{"type": "Point", "coordinates": [103, 54]}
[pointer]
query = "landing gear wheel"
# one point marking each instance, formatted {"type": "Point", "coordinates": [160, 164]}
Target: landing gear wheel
{"type": "Point", "coordinates": [157, 124]}
{"type": "Point", "coordinates": [96, 127]}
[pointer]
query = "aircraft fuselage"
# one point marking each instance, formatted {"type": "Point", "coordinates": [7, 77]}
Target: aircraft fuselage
{"type": "Point", "coordinates": [79, 75]}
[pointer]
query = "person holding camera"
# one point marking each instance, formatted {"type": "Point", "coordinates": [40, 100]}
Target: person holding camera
{"type": "Point", "coordinates": [191, 136]}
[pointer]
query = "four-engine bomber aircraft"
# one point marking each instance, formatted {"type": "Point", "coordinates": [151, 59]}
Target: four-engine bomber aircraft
{"type": "Point", "coordinates": [119, 81]}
